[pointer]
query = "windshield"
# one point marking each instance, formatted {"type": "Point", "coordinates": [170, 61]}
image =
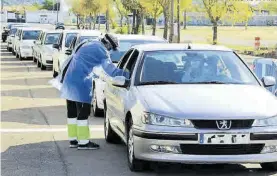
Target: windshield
{"type": "Point", "coordinates": [30, 35]}
{"type": "Point", "coordinates": [125, 45]}
{"type": "Point", "coordinates": [194, 67]}
{"type": "Point", "coordinates": [51, 38]}
{"type": "Point", "coordinates": [83, 38]}
{"type": "Point", "coordinates": [69, 38]}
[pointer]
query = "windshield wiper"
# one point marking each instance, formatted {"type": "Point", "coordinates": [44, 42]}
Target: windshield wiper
{"type": "Point", "coordinates": [157, 82]}
{"type": "Point", "coordinates": [208, 82]}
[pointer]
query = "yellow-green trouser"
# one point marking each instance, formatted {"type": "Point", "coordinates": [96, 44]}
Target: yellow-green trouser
{"type": "Point", "coordinates": [78, 130]}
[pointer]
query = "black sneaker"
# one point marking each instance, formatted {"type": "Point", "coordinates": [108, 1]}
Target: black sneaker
{"type": "Point", "coordinates": [73, 144]}
{"type": "Point", "coordinates": [89, 146]}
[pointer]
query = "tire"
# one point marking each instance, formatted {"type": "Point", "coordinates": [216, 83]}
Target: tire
{"type": "Point", "coordinates": [110, 135]}
{"type": "Point", "coordinates": [34, 59]}
{"type": "Point", "coordinates": [19, 56]}
{"type": "Point", "coordinates": [96, 111]}
{"type": "Point", "coordinates": [43, 67]}
{"type": "Point", "coordinates": [38, 64]}
{"type": "Point", "coordinates": [55, 74]}
{"type": "Point", "coordinates": [135, 164]}
{"type": "Point", "coordinates": [13, 52]}
{"type": "Point", "coordinates": [269, 166]}
{"type": "Point", "coordinates": [16, 55]}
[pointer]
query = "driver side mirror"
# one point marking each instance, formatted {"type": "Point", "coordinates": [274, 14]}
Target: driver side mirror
{"type": "Point", "coordinates": [56, 46]}
{"type": "Point", "coordinates": [120, 81]}
{"type": "Point", "coordinates": [68, 52]}
{"type": "Point", "coordinates": [269, 81]}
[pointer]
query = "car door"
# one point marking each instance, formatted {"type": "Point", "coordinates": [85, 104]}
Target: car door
{"type": "Point", "coordinates": [36, 47]}
{"type": "Point", "coordinates": [111, 98]}
{"type": "Point", "coordinates": [122, 94]}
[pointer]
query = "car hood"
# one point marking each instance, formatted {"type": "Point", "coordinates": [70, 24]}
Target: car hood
{"type": "Point", "coordinates": [48, 49]}
{"type": "Point", "coordinates": [209, 101]}
{"type": "Point", "coordinates": [28, 42]}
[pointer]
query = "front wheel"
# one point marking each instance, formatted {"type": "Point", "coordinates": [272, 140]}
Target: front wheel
{"type": "Point", "coordinates": [110, 135]}
{"type": "Point", "coordinates": [55, 74]}
{"type": "Point", "coordinates": [135, 164]}
{"type": "Point", "coordinates": [38, 64]}
{"type": "Point", "coordinates": [269, 166]}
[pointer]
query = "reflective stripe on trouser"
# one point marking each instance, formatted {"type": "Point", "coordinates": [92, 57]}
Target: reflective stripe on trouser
{"type": "Point", "coordinates": [72, 128]}
{"type": "Point", "coordinates": [83, 133]}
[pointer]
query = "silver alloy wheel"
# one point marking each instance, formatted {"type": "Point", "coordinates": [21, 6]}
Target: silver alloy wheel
{"type": "Point", "coordinates": [131, 145]}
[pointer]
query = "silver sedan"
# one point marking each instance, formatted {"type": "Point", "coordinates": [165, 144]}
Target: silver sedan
{"type": "Point", "coordinates": [191, 104]}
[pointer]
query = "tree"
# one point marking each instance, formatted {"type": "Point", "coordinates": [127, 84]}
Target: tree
{"type": "Point", "coordinates": [215, 10]}
{"type": "Point", "coordinates": [154, 9]}
{"type": "Point", "coordinates": [77, 9]}
{"type": "Point", "coordinates": [135, 7]}
{"type": "Point", "coordinates": [50, 5]}
{"type": "Point", "coordinates": [165, 6]}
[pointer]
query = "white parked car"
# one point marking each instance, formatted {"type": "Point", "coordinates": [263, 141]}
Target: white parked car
{"type": "Point", "coordinates": [60, 47]}
{"type": "Point", "coordinates": [211, 110]}
{"type": "Point", "coordinates": [11, 36]}
{"type": "Point", "coordinates": [125, 42]}
{"type": "Point", "coordinates": [24, 42]}
{"type": "Point", "coordinates": [43, 49]}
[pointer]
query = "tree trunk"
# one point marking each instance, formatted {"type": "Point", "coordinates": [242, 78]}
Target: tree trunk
{"type": "Point", "coordinates": [165, 25]}
{"type": "Point", "coordinates": [185, 19]}
{"type": "Point", "coordinates": [138, 22]}
{"type": "Point", "coordinates": [246, 25]}
{"type": "Point", "coordinates": [128, 24]}
{"type": "Point", "coordinates": [134, 22]}
{"type": "Point", "coordinates": [99, 22]}
{"type": "Point", "coordinates": [142, 24]}
{"type": "Point", "coordinates": [178, 21]}
{"type": "Point", "coordinates": [94, 24]}
{"type": "Point", "coordinates": [78, 25]}
{"type": "Point", "coordinates": [154, 26]}
{"type": "Point", "coordinates": [171, 35]}
{"type": "Point", "coordinates": [107, 20]}
{"type": "Point", "coordinates": [90, 21]}
{"type": "Point", "coordinates": [214, 33]}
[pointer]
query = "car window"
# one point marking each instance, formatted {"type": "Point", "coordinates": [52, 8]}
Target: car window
{"type": "Point", "coordinates": [30, 35]}
{"type": "Point", "coordinates": [198, 67]}
{"type": "Point", "coordinates": [125, 45]}
{"type": "Point", "coordinates": [125, 58]}
{"type": "Point", "coordinates": [12, 31]}
{"type": "Point", "coordinates": [129, 67]}
{"type": "Point", "coordinates": [51, 38]}
{"type": "Point", "coordinates": [68, 39]}
{"type": "Point", "coordinates": [73, 43]}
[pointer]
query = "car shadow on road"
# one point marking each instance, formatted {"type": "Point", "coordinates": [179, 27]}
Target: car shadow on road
{"type": "Point", "coordinates": [50, 158]}
{"type": "Point", "coordinates": [48, 115]}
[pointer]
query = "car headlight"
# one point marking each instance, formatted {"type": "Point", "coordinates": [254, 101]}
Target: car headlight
{"type": "Point", "coordinates": [154, 119]}
{"type": "Point", "coordinates": [272, 121]}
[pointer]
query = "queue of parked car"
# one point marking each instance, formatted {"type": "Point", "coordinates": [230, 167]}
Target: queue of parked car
{"type": "Point", "coordinates": [183, 103]}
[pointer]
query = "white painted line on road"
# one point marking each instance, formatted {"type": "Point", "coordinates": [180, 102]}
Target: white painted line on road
{"type": "Point", "coordinates": [42, 130]}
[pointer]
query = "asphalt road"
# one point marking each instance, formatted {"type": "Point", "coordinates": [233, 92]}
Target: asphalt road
{"type": "Point", "coordinates": [34, 141]}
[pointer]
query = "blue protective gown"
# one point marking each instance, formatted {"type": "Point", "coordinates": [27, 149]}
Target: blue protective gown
{"type": "Point", "coordinates": [77, 83]}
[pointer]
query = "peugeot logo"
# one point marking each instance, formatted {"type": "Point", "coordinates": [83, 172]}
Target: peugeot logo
{"type": "Point", "coordinates": [224, 124]}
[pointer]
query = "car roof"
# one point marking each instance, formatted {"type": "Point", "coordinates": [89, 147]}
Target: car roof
{"type": "Point", "coordinates": [52, 31]}
{"type": "Point", "coordinates": [89, 33]}
{"type": "Point", "coordinates": [69, 31]}
{"type": "Point", "coordinates": [30, 29]}
{"type": "Point", "coordinates": [139, 37]}
{"type": "Point", "coordinates": [168, 46]}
